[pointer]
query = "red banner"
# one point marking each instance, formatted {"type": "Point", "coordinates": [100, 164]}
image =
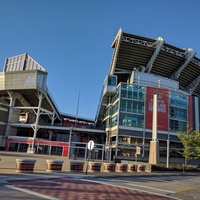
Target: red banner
{"type": "Point", "coordinates": [40, 142]}
{"type": "Point", "coordinates": [162, 108]}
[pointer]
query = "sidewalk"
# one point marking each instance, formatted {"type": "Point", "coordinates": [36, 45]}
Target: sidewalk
{"type": "Point", "coordinates": [8, 167]}
{"type": "Point", "coordinates": [41, 178]}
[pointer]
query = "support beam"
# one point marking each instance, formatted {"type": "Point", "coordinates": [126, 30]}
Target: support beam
{"type": "Point", "coordinates": [192, 86]}
{"type": "Point", "coordinates": [116, 49]}
{"type": "Point", "coordinates": [189, 54]}
{"type": "Point", "coordinates": [18, 95]}
{"type": "Point", "coordinates": [13, 97]}
{"type": "Point", "coordinates": [159, 44]}
{"type": "Point", "coordinates": [35, 126]}
{"type": "Point", "coordinates": [52, 104]}
{"type": "Point", "coordinates": [42, 111]}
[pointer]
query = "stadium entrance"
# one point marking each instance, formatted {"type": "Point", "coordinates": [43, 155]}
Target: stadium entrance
{"type": "Point", "coordinates": [21, 144]}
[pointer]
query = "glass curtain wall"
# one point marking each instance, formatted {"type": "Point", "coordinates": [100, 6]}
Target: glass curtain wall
{"type": "Point", "coordinates": [132, 106]}
{"type": "Point", "coordinates": [110, 116]}
{"type": "Point", "coordinates": [178, 111]}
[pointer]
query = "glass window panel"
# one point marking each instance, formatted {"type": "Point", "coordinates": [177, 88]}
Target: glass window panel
{"type": "Point", "coordinates": [112, 80]}
{"type": "Point", "coordinates": [176, 125]}
{"type": "Point", "coordinates": [131, 120]}
{"type": "Point", "coordinates": [124, 93]}
{"type": "Point", "coordinates": [178, 113]}
{"type": "Point", "coordinates": [116, 96]}
{"type": "Point", "coordinates": [115, 108]}
{"type": "Point", "coordinates": [132, 106]}
{"type": "Point", "coordinates": [114, 121]}
{"type": "Point", "coordinates": [178, 100]}
{"type": "Point", "coordinates": [132, 91]}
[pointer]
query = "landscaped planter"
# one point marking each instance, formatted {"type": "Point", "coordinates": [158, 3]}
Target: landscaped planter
{"type": "Point", "coordinates": [76, 166]}
{"type": "Point", "coordinates": [120, 167]}
{"type": "Point", "coordinates": [94, 167]}
{"type": "Point", "coordinates": [141, 168]}
{"type": "Point", "coordinates": [25, 165]}
{"type": "Point", "coordinates": [54, 165]}
{"type": "Point", "coordinates": [131, 168]}
{"type": "Point", "coordinates": [108, 167]}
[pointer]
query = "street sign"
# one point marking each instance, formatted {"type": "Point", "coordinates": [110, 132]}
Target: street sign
{"type": "Point", "coordinates": [90, 145]}
{"type": "Point", "coordinates": [138, 150]}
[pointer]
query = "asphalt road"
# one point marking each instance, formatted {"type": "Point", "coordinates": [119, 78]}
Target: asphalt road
{"type": "Point", "coordinates": [186, 187]}
{"type": "Point", "coordinates": [63, 186]}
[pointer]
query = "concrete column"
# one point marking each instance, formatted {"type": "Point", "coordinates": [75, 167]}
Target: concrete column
{"type": "Point", "coordinates": [35, 126]}
{"type": "Point", "coordinates": [154, 123]}
{"type": "Point", "coordinates": [38, 116]}
{"type": "Point", "coordinates": [168, 154]}
{"type": "Point", "coordinates": [13, 97]}
{"type": "Point", "coordinates": [154, 144]}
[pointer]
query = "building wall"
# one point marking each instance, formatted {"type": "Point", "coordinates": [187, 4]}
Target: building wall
{"type": "Point", "coordinates": [3, 119]}
{"type": "Point", "coordinates": [130, 115]}
{"type": "Point", "coordinates": [162, 108]}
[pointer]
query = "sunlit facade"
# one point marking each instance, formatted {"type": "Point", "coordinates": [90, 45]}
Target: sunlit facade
{"type": "Point", "coordinates": [30, 120]}
{"type": "Point", "coordinates": [140, 68]}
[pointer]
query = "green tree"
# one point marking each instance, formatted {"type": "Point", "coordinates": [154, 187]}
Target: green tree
{"type": "Point", "coordinates": [191, 144]}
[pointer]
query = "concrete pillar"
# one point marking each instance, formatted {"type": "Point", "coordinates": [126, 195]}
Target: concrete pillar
{"type": "Point", "coordinates": [154, 144]}
{"type": "Point", "coordinates": [13, 97]}
{"type": "Point", "coordinates": [154, 152]}
{"type": "Point", "coordinates": [35, 126]}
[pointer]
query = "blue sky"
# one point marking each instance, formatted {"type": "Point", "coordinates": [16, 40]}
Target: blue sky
{"type": "Point", "coordinates": [72, 39]}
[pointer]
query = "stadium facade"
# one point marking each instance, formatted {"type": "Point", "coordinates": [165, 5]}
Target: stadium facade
{"type": "Point", "coordinates": [30, 121]}
{"type": "Point", "coordinates": [140, 68]}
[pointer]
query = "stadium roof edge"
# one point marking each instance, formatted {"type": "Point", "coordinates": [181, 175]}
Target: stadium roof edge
{"type": "Point", "coordinates": [157, 57]}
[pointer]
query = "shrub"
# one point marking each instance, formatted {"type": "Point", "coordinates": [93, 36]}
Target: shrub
{"type": "Point", "coordinates": [173, 167]}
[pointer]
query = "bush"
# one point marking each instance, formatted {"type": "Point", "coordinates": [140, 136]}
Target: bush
{"type": "Point", "coordinates": [173, 167]}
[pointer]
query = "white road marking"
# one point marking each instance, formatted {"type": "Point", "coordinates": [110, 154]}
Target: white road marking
{"type": "Point", "coordinates": [110, 180]}
{"type": "Point", "coordinates": [30, 192]}
{"type": "Point", "coordinates": [142, 186]}
{"type": "Point", "coordinates": [140, 190]}
{"type": "Point", "coordinates": [132, 184]}
{"type": "Point", "coordinates": [163, 179]}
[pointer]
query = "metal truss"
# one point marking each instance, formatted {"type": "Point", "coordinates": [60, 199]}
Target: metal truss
{"type": "Point", "coordinates": [174, 52]}
{"type": "Point", "coordinates": [137, 41]}
{"type": "Point", "coordinates": [164, 48]}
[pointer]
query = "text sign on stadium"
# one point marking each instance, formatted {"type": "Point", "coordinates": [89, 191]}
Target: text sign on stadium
{"type": "Point", "coordinates": [90, 145]}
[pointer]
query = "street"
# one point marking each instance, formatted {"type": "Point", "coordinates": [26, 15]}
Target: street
{"type": "Point", "coordinates": [101, 187]}
{"type": "Point", "coordinates": [179, 186]}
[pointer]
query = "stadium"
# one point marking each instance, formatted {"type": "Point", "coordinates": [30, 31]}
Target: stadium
{"type": "Point", "coordinates": [140, 67]}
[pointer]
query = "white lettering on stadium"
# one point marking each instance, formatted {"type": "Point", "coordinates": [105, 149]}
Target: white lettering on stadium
{"type": "Point", "coordinates": [161, 107]}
